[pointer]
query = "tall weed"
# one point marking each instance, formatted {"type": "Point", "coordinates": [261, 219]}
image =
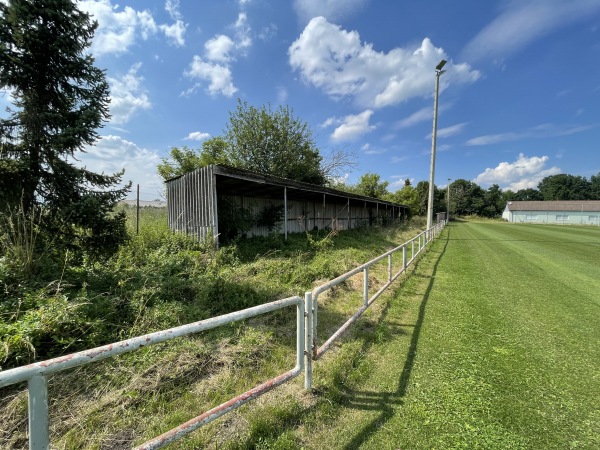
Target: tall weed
{"type": "Point", "coordinates": [43, 322]}
{"type": "Point", "coordinates": [19, 238]}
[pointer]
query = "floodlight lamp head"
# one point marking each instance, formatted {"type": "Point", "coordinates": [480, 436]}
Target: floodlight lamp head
{"type": "Point", "coordinates": [441, 64]}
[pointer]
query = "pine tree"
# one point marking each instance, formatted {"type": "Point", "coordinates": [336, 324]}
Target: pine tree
{"type": "Point", "coordinates": [60, 101]}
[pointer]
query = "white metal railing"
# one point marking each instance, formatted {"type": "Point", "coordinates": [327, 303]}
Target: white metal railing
{"type": "Point", "coordinates": [35, 374]}
{"type": "Point", "coordinates": [313, 351]}
{"type": "Point", "coordinates": [306, 348]}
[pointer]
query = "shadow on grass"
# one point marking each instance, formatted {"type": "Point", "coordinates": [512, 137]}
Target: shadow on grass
{"type": "Point", "coordinates": [387, 402]}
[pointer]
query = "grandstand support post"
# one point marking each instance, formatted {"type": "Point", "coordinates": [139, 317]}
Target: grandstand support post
{"type": "Point", "coordinates": [285, 213]}
{"type": "Point", "coordinates": [137, 211]}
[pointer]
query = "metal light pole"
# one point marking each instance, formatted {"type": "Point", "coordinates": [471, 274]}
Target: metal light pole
{"type": "Point", "coordinates": [438, 73]}
{"type": "Point", "coordinates": [448, 201]}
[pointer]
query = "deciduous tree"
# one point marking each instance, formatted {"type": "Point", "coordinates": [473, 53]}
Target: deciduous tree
{"type": "Point", "coordinates": [595, 187]}
{"type": "Point", "coordinates": [406, 196]}
{"type": "Point", "coordinates": [182, 160]}
{"type": "Point", "coordinates": [370, 184]}
{"type": "Point", "coordinates": [564, 187]}
{"type": "Point", "coordinates": [466, 197]}
{"type": "Point", "coordinates": [273, 142]}
{"type": "Point", "coordinates": [528, 194]}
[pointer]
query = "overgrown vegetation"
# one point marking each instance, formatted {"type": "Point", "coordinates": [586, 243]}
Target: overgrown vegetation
{"type": "Point", "coordinates": [159, 280]}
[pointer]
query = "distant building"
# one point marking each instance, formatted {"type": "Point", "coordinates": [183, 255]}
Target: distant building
{"type": "Point", "coordinates": [208, 202]}
{"type": "Point", "coordinates": [564, 212]}
{"type": "Point", "coordinates": [145, 203]}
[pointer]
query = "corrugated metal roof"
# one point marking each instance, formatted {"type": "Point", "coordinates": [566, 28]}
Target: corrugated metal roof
{"type": "Point", "coordinates": [236, 181]}
{"type": "Point", "coordinates": [555, 205]}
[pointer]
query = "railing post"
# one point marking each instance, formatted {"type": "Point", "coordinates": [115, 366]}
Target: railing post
{"type": "Point", "coordinates": [39, 436]}
{"type": "Point", "coordinates": [412, 252]}
{"type": "Point", "coordinates": [315, 322]}
{"type": "Point", "coordinates": [389, 268]}
{"type": "Point", "coordinates": [308, 339]}
{"type": "Point", "coordinates": [300, 334]}
{"type": "Point", "coordinates": [404, 257]}
{"type": "Point", "coordinates": [366, 285]}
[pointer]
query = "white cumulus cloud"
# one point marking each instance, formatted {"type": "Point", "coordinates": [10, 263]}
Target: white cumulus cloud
{"type": "Point", "coordinates": [117, 30]}
{"type": "Point", "coordinates": [219, 53]}
{"type": "Point", "coordinates": [218, 76]}
{"type": "Point", "coordinates": [172, 7]}
{"type": "Point", "coordinates": [243, 37]}
{"type": "Point", "coordinates": [350, 127]}
{"type": "Point", "coordinates": [120, 28]}
{"type": "Point", "coordinates": [175, 33]}
{"type": "Point", "coordinates": [127, 95]}
{"type": "Point", "coordinates": [525, 172]}
{"type": "Point", "coordinates": [113, 153]}
{"type": "Point", "coordinates": [197, 136]}
{"type": "Point", "coordinates": [338, 63]}
{"type": "Point", "coordinates": [218, 48]}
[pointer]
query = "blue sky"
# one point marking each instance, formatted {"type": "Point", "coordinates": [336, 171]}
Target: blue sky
{"type": "Point", "coordinates": [519, 101]}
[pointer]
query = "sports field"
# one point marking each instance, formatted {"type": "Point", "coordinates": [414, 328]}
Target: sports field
{"type": "Point", "coordinates": [493, 343]}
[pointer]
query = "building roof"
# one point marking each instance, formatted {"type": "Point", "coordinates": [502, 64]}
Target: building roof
{"type": "Point", "coordinates": [234, 181]}
{"type": "Point", "coordinates": [555, 205]}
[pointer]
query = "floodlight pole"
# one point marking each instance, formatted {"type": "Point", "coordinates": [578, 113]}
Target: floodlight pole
{"type": "Point", "coordinates": [438, 73]}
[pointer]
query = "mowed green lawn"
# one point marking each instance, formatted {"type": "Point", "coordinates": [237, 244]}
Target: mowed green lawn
{"type": "Point", "coordinates": [493, 343]}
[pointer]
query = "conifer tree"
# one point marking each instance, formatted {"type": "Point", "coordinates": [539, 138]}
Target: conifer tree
{"type": "Point", "coordinates": [60, 100]}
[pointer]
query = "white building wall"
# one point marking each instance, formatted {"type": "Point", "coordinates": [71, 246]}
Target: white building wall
{"type": "Point", "coordinates": [554, 217]}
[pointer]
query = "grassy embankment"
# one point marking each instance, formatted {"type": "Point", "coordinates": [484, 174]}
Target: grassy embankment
{"type": "Point", "coordinates": [159, 280]}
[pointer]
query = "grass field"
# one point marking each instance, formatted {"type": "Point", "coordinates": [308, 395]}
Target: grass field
{"type": "Point", "coordinates": [494, 343]}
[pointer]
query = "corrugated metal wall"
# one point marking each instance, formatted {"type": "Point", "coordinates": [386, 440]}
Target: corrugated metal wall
{"type": "Point", "coordinates": [191, 203]}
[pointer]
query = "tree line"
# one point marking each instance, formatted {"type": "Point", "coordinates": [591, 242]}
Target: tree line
{"type": "Point", "coordinates": [468, 198]}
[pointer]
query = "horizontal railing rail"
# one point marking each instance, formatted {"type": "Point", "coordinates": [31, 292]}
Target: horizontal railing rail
{"type": "Point", "coordinates": [307, 350]}
{"type": "Point", "coordinates": [36, 374]}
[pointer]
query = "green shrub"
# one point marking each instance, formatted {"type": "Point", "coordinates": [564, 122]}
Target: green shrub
{"type": "Point", "coordinates": [45, 322]}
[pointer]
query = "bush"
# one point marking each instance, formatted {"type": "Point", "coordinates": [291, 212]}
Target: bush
{"type": "Point", "coordinates": [46, 323]}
